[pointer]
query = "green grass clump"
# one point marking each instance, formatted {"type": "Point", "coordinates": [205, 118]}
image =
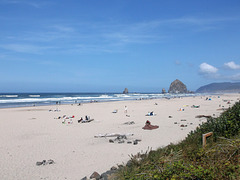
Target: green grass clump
{"type": "Point", "coordinates": [220, 159]}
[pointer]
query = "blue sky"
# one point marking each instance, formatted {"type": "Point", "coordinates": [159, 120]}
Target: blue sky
{"type": "Point", "coordinates": [107, 45]}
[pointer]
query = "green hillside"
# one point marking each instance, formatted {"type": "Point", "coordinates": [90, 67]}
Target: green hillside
{"type": "Point", "coordinates": [219, 159]}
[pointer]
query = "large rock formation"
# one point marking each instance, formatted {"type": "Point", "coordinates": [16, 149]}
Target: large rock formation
{"type": "Point", "coordinates": [125, 91]}
{"type": "Point", "coordinates": [177, 87]}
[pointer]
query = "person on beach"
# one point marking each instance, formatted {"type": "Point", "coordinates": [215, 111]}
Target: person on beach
{"type": "Point", "coordinates": [80, 120]}
{"type": "Point", "coordinates": [125, 109]}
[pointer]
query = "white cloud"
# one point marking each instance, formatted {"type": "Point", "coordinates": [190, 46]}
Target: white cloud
{"type": "Point", "coordinates": [231, 65]}
{"type": "Point", "coordinates": [207, 69]}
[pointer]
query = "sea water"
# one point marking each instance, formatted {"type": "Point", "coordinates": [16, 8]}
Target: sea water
{"type": "Point", "coordinates": [38, 99]}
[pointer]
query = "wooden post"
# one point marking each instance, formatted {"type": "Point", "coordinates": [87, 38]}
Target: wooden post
{"type": "Point", "coordinates": [204, 138]}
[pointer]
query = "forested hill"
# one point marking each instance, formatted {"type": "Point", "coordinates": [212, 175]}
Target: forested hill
{"type": "Point", "coordinates": [220, 88]}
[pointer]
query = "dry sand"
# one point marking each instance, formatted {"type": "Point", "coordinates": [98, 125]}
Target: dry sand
{"type": "Point", "coordinates": [32, 134]}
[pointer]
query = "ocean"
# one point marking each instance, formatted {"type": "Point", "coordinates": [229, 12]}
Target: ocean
{"type": "Point", "coordinates": [8, 100]}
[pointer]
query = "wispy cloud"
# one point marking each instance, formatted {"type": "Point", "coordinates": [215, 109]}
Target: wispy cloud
{"type": "Point", "coordinates": [107, 37]}
{"type": "Point", "coordinates": [24, 48]}
{"type": "Point", "coordinates": [231, 65]}
{"type": "Point", "coordinates": [36, 4]}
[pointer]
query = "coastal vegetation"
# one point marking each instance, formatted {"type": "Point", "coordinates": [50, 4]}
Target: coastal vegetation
{"type": "Point", "coordinates": [219, 159]}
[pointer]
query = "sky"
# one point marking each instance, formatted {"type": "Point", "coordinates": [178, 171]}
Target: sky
{"type": "Point", "coordinates": [109, 45]}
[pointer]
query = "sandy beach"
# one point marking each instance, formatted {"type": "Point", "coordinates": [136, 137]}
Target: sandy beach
{"type": "Point", "coordinates": [32, 134]}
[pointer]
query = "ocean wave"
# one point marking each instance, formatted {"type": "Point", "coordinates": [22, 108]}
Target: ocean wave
{"type": "Point", "coordinates": [34, 95]}
{"type": "Point", "coordinates": [9, 96]}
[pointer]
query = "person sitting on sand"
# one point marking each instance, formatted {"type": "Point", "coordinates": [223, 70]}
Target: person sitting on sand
{"type": "Point", "coordinates": [80, 120]}
{"type": "Point", "coordinates": [86, 118]}
{"type": "Point", "coordinates": [147, 122]}
{"type": "Point", "coordinates": [151, 113]}
{"type": "Point", "coordinates": [148, 126]}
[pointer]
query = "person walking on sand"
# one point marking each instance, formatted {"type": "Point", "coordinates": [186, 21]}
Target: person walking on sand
{"type": "Point", "coordinates": [125, 109]}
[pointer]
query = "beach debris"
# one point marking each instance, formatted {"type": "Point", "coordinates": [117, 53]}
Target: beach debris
{"type": "Point", "coordinates": [183, 120]}
{"type": "Point", "coordinates": [195, 106]}
{"type": "Point", "coordinates": [113, 135]}
{"type": "Point", "coordinates": [129, 123]}
{"type": "Point", "coordinates": [128, 115]}
{"type": "Point", "coordinates": [148, 126]}
{"type": "Point", "coordinates": [44, 162]}
{"type": "Point", "coordinates": [95, 175]}
{"type": "Point", "coordinates": [175, 122]}
{"type": "Point", "coordinates": [222, 109]}
{"type": "Point", "coordinates": [156, 104]}
{"type": "Point", "coordinates": [169, 116]}
{"type": "Point", "coordinates": [201, 116]}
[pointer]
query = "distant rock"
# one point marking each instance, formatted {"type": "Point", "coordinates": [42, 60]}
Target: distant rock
{"type": "Point", "coordinates": [163, 91]}
{"type": "Point", "coordinates": [125, 91]}
{"type": "Point", "coordinates": [225, 87]}
{"type": "Point", "coordinates": [177, 87]}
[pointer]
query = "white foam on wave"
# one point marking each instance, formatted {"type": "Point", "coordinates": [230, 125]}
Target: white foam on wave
{"type": "Point", "coordinates": [9, 96]}
{"type": "Point", "coordinates": [34, 95]}
{"type": "Point", "coordinates": [63, 99]}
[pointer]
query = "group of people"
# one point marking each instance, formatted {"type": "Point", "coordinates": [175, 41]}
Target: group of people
{"type": "Point", "coordinates": [87, 119]}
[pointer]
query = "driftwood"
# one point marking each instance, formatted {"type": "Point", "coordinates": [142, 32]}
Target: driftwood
{"type": "Point", "coordinates": [113, 135]}
{"type": "Point", "coordinates": [201, 116]}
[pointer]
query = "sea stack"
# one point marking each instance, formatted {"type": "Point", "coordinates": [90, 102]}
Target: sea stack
{"type": "Point", "coordinates": [125, 91]}
{"type": "Point", "coordinates": [177, 87]}
{"type": "Point", "coordinates": [163, 91]}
